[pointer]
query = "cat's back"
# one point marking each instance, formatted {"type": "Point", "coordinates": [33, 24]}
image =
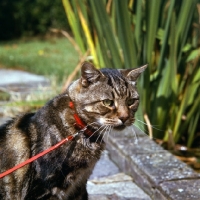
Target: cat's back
{"type": "Point", "coordinates": [14, 139]}
{"type": "Point", "coordinates": [14, 149]}
{"type": "Point", "coordinates": [15, 129]}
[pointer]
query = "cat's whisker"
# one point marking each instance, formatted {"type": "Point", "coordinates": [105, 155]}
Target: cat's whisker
{"type": "Point", "coordinates": [143, 131]}
{"type": "Point", "coordinates": [96, 131]}
{"type": "Point", "coordinates": [101, 132]}
{"type": "Point", "coordinates": [135, 135]}
{"type": "Point", "coordinates": [107, 128]}
{"type": "Point", "coordinates": [111, 127]}
{"type": "Point", "coordinates": [149, 126]}
{"type": "Point", "coordinates": [140, 129]}
{"type": "Point", "coordinates": [107, 132]}
{"type": "Point", "coordinates": [153, 126]}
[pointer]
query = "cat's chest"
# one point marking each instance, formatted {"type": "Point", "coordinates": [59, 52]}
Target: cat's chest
{"type": "Point", "coordinates": [70, 162]}
{"type": "Point", "coordinates": [84, 153]}
{"type": "Point", "coordinates": [65, 171]}
{"type": "Point", "coordinates": [73, 181]}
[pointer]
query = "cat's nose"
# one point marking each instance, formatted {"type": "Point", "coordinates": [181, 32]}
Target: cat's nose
{"type": "Point", "coordinates": [123, 119]}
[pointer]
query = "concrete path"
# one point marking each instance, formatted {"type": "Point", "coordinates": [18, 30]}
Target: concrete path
{"type": "Point", "coordinates": [11, 77]}
{"type": "Point", "coordinates": [108, 182]}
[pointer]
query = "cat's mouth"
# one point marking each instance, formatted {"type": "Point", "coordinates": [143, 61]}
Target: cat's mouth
{"type": "Point", "coordinates": [116, 123]}
{"type": "Point", "coordinates": [123, 125]}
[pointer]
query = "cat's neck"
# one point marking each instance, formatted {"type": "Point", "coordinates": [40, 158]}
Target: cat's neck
{"type": "Point", "coordinates": [80, 124]}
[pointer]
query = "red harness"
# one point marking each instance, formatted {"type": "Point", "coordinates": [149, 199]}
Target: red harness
{"type": "Point", "coordinates": [79, 124]}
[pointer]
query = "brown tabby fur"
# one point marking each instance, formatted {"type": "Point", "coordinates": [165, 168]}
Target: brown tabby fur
{"type": "Point", "coordinates": [101, 98]}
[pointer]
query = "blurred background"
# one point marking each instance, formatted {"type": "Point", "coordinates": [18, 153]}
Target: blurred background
{"type": "Point", "coordinates": [52, 38]}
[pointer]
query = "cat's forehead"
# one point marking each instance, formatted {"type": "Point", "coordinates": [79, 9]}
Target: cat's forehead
{"type": "Point", "coordinates": [120, 85]}
{"type": "Point", "coordinates": [114, 77]}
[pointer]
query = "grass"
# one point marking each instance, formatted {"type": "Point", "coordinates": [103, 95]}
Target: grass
{"type": "Point", "coordinates": [52, 57]}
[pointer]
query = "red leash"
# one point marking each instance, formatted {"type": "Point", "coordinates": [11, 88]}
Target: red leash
{"type": "Point", "coordinates": [79, 124]}
{"type": "Point", "coordinates": [38, 155]}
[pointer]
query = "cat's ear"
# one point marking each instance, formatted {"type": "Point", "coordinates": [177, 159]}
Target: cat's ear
{"type": "Point", "coordinates": [133, 74]}
{"type": "Point", "coordinates": [89, 74]}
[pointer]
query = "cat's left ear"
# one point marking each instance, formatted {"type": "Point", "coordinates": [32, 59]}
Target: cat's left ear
{"type": "Point", "coordinates": [133, 74]}
{"type": "Point", "coordinates": [89, 74]}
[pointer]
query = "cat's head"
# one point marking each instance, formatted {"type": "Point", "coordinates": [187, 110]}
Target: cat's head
{"type": "Point", "coordinates": [106, 96]}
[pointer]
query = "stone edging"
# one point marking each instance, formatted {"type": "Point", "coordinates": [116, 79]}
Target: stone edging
{"type": "Point", "coordinates": [153, 169]}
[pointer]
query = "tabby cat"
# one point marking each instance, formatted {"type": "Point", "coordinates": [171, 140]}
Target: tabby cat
{"type": "Point", "coordinates": [98, 100]}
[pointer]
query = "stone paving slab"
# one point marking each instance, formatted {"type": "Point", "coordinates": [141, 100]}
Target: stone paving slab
{"type": "Point", "coordinates": [151, 166]}
{"type": "Point", "coordinates": [106, 182]}
{"type": "Point", "coordinates": [17, 77]}
{"type": "Point", "coordinates": [104, 167]}
{"type": "Point", "coordinates": [20, 84]}
{"type": "Point", "coordinates": [116, 188]}
{"type": "Point", "coordinates": [182, 189]}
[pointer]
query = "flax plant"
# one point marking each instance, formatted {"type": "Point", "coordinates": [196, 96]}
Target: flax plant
{"type": "Point", "coordinates": [164, 34]}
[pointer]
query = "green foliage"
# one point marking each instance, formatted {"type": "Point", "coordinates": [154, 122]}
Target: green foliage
{"type": "Point", "coordinates": [25, 17]}
{"type": "Point", "coordinates": [164, 34]}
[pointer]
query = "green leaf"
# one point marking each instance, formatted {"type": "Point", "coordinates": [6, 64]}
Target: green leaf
{"type": "Point", "coordinates": [187, 47]}
{"type": "Point", "coordinates": [75, 24]}
{"type": "Point", "coordinates": [192, 128]}
{"type": "Point", "coordinates": [184, 23]}
{"type": "Point", "coordinates": [193, 55]}
{"type": "Point", "coordinates": [125, 34]}
{"type": "Point", "coordinates": [153, 10]}
{"type": "Point", "coordinates": [105, 30]}
{"type": "Point", "coordinates": [138, 26]}
{"type": "Point", "coordinates": [165, 36]}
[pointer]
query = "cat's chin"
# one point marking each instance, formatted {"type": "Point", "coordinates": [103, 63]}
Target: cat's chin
{"type": "Point", "coordinates": [120, 127]}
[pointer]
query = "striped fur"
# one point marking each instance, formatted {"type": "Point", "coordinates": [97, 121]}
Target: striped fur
{"type": "Point", "coordinates": [103, 99]}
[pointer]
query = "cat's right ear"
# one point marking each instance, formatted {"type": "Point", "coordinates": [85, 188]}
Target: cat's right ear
{"type": "Point", "coordinates": [89, 74]}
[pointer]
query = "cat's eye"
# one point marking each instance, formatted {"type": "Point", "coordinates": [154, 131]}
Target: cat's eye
{"type": "Point", "coordinates": [130, 102]}
{"type": "Point", "coordinates": [108, 102]}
